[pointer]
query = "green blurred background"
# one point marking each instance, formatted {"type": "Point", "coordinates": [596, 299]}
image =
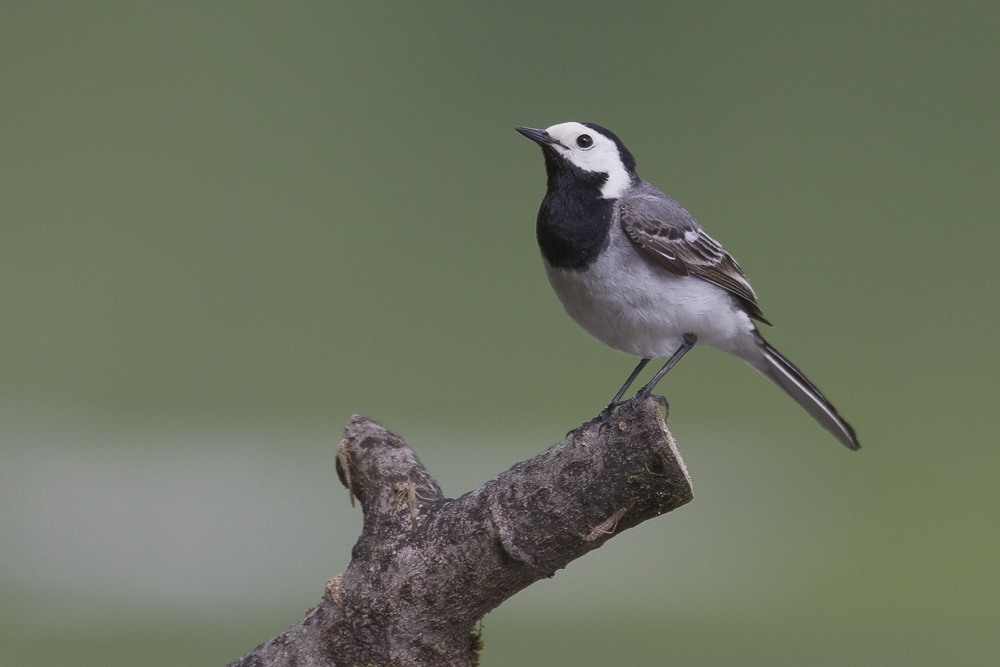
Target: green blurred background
{"type": "Point", "coordinates": [228, 226]}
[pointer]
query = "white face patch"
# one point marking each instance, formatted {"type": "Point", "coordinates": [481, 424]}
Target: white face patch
{"type": "Point", "coordinates": [600, 157]}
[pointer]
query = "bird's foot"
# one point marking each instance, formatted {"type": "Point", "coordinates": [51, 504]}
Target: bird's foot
{"type": "Point", "coordinates": [662, 402]}
{"type": "Point", "coordinates": [602, 419]}
{"type": "Point", "coordinates": [643, 394]}
{"type": "Point", "coordinates": [610, 410]}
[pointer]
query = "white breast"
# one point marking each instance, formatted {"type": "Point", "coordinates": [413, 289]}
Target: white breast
{"type": "Point", "coordinates": [633, 305]}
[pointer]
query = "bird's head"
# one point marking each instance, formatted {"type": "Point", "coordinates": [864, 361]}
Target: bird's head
{"type": "Point", "coordinates": [589, 148]}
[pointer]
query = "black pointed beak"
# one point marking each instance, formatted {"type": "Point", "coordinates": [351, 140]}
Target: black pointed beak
{"type": "Point", "coordinates": [540, 137]}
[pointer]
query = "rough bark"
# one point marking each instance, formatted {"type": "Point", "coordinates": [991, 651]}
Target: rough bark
{"type": "Point", "coordinates": [427, 568]}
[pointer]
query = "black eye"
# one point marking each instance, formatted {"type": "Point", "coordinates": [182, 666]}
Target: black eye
{"type": "Point", "coordinates": [584, 141]}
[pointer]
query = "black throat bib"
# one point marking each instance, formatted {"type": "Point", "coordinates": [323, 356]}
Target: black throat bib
{"type": "Point", "coordinates": [574, 221]}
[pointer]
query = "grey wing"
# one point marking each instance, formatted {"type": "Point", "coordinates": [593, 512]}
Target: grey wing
{"type": "Point", "coordinates": [673, 239]}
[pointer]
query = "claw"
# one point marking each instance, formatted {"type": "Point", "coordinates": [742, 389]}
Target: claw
{"type": "Point", "coordinates": [662, 401]}
{"type": "Point", "coordinates": [642, 395]}
{"type": "Point", "coordinates": [603, 418]}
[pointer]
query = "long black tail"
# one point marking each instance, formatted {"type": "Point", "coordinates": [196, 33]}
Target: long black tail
{"type": "Point", "coordinates": [784, 374]}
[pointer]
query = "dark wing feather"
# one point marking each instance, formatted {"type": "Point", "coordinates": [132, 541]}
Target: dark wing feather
{"type": "Point", "coordinates": [673, 239]}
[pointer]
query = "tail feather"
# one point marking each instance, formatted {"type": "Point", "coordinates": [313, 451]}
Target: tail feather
{"type": "Point", "coordinates": [784, 374]}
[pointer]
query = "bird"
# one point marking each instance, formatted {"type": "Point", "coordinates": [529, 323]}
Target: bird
{"type": "Point", "coordinates": [635, 270]}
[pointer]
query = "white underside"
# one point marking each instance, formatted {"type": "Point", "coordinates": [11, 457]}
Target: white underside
{"type": "Point", "coordinates": [633, 305]}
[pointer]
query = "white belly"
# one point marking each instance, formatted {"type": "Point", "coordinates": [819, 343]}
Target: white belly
{"type": "Point", "coordinates": [634, 305]}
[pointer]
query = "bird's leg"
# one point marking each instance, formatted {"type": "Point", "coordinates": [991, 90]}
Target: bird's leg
{"type": "Point", "coordinates": [689, 341]}
{"type": "Point", "coordinates": [606, 413]}
{"type": "Point", "coordinates": [616, 401]}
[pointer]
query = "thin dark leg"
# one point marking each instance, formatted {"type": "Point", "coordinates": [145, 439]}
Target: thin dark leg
{"type": "Point", "coordinates": [628, 383]}
{"type": "Point", "coordinates": [613, 405]}
{"type": "Point", "coordinates": [689, 341]}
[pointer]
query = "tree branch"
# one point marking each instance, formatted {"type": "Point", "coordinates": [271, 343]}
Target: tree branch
{"type": "Point", "coordinates": [427, 568]}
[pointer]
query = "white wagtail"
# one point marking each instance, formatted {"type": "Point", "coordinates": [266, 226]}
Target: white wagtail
{"type": "Point", "coordinates": [637, 271]}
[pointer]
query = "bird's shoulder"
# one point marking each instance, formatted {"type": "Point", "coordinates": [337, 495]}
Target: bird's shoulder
{"type": "Point", "coordinates": [673, 239]}
{"type": "Point", "coordinates": [646, 210]}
